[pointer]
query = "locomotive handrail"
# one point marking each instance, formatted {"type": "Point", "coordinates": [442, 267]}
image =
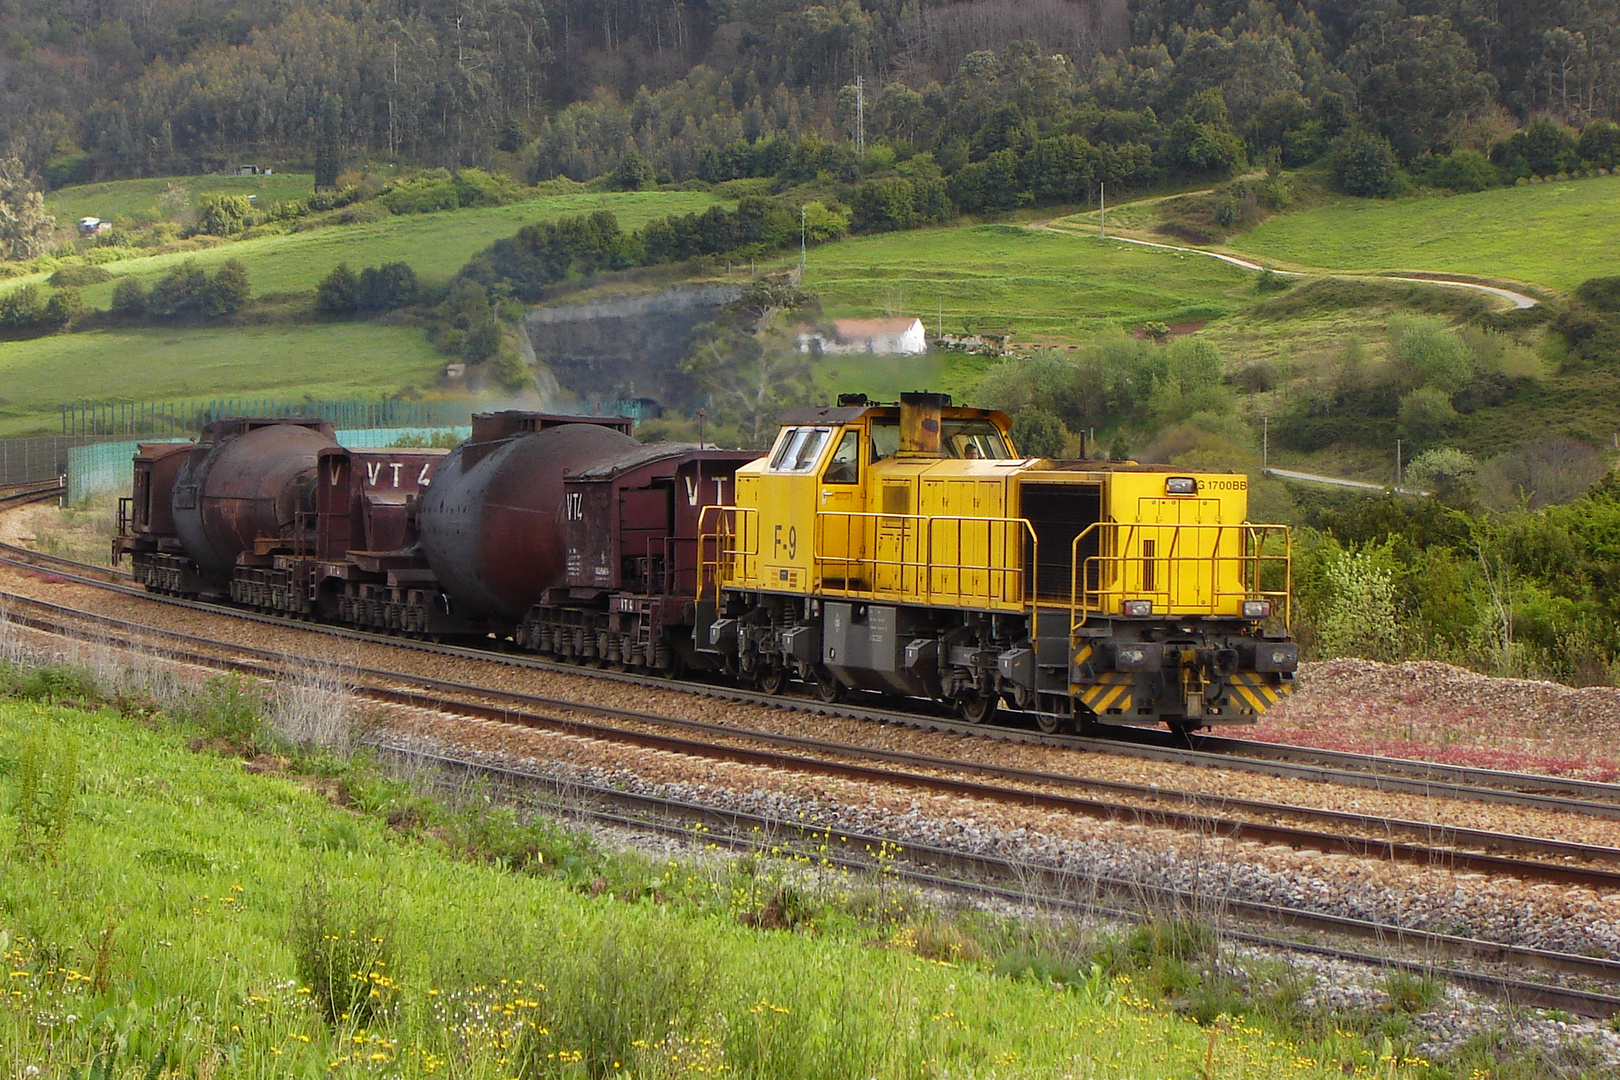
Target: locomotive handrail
{"type": "Point", "coordinates": [929, 570]}
{"type": "Point", "coordinates": [1099, 583]}
{"type": "Point", "coordinates": [708, 570]}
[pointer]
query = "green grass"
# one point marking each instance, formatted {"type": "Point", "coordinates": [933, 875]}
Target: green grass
{"type": "Point", "coordinates": [1554, 235]}
{"type": "Point", "coordinates": [1043, 286]}
{"type": "Point", "coordinates": [188, 903]}
{"type": "Point", "coordinates": [435, 245]}
{"type": "Point", "coordinates": [135, 199]}
{"type": "Point", "coordinates": [333, 360]}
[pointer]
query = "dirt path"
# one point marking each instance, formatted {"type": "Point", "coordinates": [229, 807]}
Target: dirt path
{"type": "Point", "coordinates": [1517, 299]}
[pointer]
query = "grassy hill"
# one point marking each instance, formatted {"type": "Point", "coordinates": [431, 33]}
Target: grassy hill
{"type": "Point", "coordinates": [345, 359]}
{"type": "Point", "coordinates": [337, 360]}
{"type": "Point", "coordinates": [140, 198]}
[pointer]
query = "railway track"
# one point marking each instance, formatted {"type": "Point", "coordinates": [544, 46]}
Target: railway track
{"type": "Point", "coordinates": [809, 756]}
{"type": "Point", "coordinates": [14, 495]}
{"type": "Point", "coordinates": [1047, 888]}
{"type": "Point", "coordinates": [1426, 780]}
{"type": "Point", "coordinates": [1201, 814]}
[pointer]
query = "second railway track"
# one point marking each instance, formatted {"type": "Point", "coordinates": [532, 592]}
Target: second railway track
{"type": "Point", "coordinates": [1400, 776]}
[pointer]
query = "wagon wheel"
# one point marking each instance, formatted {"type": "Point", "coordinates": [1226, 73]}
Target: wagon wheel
{"type": "Point", "coordinates": [976, 706]}
{"type": "Point", "coordinates": [1051, 723]}
{"type": "Point", "coordinates": [828, 689]}
{"type": "Point", "coordinates": [773, 680]}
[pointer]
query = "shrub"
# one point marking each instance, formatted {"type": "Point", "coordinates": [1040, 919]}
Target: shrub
{"type": "Point", "coordinates": [224, 215]}
{"type": "Point", "coordinates": [79, 276]}
{"type": "Point", "coordinates": [1463, 171]}
{"type": "Point", "coordinates": [228, 291]}
{"type": "Point", "coordinates": [384, 288]}
{"type": "Point", "coordinates": [1447, 472]}
{"type": "Point", "coordinates": [1426, 414]}
{"type": "Point", "coordinates": [179, 292]}
{"type": "Point", "coordinates": [339, 292]}
{"type": "Point", "coordinates": [64, 306]}
{"type": "Point", "coordinates": [129, 298]}
{"type": "Point", "coordinates": [1602, 293]}
{"type": "Point", "coordinates": [21, 308]}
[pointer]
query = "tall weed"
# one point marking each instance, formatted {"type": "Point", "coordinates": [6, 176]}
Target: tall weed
{"type": "Point", "coordinates": [47, 788]}
{"type": "Point", "coordinates": [343, 940]}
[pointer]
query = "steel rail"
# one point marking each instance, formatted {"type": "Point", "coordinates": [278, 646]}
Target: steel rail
{"type": "Point", "coordinates": [1389, 775]}
{"type": "Point", "coordinates": [449, 696]}
{"type": "Point", "coordinates": [1057, 886]}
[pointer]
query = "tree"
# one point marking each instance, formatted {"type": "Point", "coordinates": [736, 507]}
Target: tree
{"type": "Point", "coordinates": [1417, 78]}
{"type": "Point", "coordinates": [129, 298]}
{"type": "Point", "coordinates": [1363, 163]}
{"type": "Point", "coordinates": [1038, 433]}
{"type": "Point", "coordinates": [25, 227]}
{"type": "Point", "coordinates": [328, 142]}
{"type": "Point", "coordinates": [228, 291]}
{"type": "Point", "coordinates": [634, 173]}
{"type": "Point", "coordinates": [338, 292]}
{"type": "Point", "coordinates": [179, 292]}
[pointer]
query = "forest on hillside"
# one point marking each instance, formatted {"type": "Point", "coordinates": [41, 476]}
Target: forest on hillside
{"type": "Point", "coordinates": [94, 89]}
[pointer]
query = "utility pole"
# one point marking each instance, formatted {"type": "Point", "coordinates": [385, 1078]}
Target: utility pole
{"type": "Point", "coordinates": [801, 243]}
{"type": "Point", "coordinates": [1102, 211]}
{"type": "Point", "coordinates": [1265, 444]}
{"type": "Point", "coordinates": [939, 318]}
{"type": "Point", "coordinates": [860, 117]}
{"type": "Point", "coordinates": [1397, 463]}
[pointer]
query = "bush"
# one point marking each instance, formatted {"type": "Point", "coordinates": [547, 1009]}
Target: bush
{"type": "Point", "coordinates": [79, 276]}
{"type": "Point", "coordinates": [21, 308]}
{"type": "Point", "coordinates": [224, 215]}
{"type": "Point", "coordinates": [384, 288]}
{"type": "Point", "coordinates": [1426, 414]}
{"type": "Point", "coordinates": [179, 292]}
{"type": "Point", "coordinates": [1463, 171]}
{"type": "Point", "coordinates": [339, 292]}
{"type": "Point", "coordinates": [64, 306]}
{"type": "Point", "coordinates": [228, 291]}
{"type": "Point", "coordinates": [129, 298]}
{"type": "Point", "coordinates": [1363, 163]}
{"type": "Point", "coordinates": [1602, 293]}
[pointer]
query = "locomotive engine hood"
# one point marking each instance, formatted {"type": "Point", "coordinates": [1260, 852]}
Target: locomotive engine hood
{"type": "Point", "coordinates": [243, 482]}
{"type": "Point", "coordinates": [490, 523]}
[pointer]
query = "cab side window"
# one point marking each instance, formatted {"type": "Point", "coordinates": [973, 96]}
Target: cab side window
{"type": "Point", "coordinates": [844, 468]}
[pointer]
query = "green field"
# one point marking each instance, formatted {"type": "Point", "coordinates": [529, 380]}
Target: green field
{"type": "Point", "coordinates": [1554, 235]}
{"type": "Point", "coordinates": [1042, 286]}
{"type": "Point", "coordinates": [435, 245]}
{"type": "Point", "coordinates": [135, 199]}
{"type": "Point", "coordinates": [336, 360]}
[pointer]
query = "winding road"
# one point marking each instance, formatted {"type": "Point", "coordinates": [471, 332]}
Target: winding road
{"type": "Point", "coordinates": [1517, 299]}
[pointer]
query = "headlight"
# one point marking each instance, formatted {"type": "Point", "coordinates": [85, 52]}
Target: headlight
{"type": "Point", "coordinates": [1181, 485]}
{"type": "Point", "coordinates": [1257, 609]}
{"type": "Point", "coordinates": [1137, 609]}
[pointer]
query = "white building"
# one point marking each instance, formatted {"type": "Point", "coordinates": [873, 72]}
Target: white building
{"type": "Point", "coordinates": [904, 336]}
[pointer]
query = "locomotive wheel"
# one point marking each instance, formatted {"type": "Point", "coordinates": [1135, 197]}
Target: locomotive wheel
{"type": "Point", "coordinates": [773, 680]}
{"type": "Point", "coordinates": [976, 707]}
{"type": "Point", "coordinates": [828, 689]}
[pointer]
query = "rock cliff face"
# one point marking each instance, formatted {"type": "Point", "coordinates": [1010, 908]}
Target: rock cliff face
{"type": "Point", "coordinates": [626, 347]}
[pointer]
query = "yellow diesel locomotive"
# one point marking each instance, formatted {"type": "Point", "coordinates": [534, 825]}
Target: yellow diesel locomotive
{"type": "Point", "coordinates": [908, 549]}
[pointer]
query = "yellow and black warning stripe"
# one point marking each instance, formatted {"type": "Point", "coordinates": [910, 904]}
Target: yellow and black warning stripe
{"type": "Point", "coordinates": [1113, 690]}
{"type": "Point", "coordinates": [1257, 690]}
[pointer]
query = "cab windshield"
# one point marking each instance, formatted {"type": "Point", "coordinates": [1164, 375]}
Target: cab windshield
{"type": "Point", "coordinates": [958, 439]}
{"type": "Point", "coordinates": [798, 448]}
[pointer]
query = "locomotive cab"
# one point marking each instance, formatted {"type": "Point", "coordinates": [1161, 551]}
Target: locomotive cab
{"type": "Point", "coordinates": [910, 550]}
